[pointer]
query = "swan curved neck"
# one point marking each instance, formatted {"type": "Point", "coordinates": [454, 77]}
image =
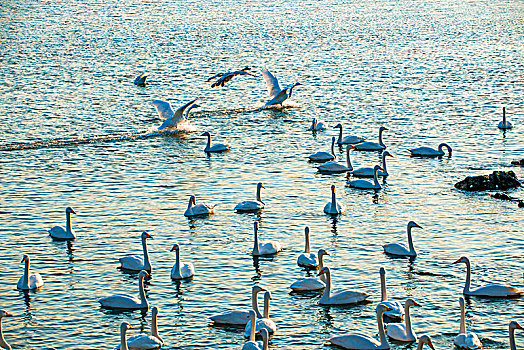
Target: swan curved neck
{"type": "Point", "coordinates": [26, 274]}
{"type": "Point", "coordinates": [255, 246]}
{"type": "Point", "coordinates": [208, 141]}
{"type": "Point", "coordinates": [384, 163]}
{"type": "Point", "coordinates": [383, 292]}
{"type": "Point", "coordinates": [348, 159]}
{"type": "Point", "coordinates": [381, 332]}
{"type": "Point", "coordinates": [410, 241]}
{"type": "Point", "coordinates": [504, 115]}
{"type": "Point", "coordinates": [340, 136]}
{"type": "Point", "coordinates": [512, 345]}
{"type": "Point", "coordinates": [147, 264]}
{"type": "Point", "coordinates": [333, 200]}
{"type": "Point", "coordinates": [177, 263]}
{"type": "Point", "coordinates": [190, 204]}
{"type": "Point", "coordinates": [380, 138]}
{"type": "Point", "coordinates": [321, 266]}
{"type": "Point", "coordinates": [306, 248]}
{"type": "Point", "coordinates": [462, 319]}
{"type": "Point", "coordinates": [468, 278]}
{"type": "Point", "coordinates": [68, 222]}
{"type": "Point", "coordinates": [266, 307]}
{"type": "Point", "coordinates": [154, 328]}
{"type": "Point", "coordinates": [3, 343]}
{"type": "Point", "coordinates": [327, 291]}
{"type": "Point", "coordinates": [333, 147]}
{"type": "Point", "coordinates": [253, 327]}
{"type": "Point", "coordinates": [259, 199]}
{"type": "Point", "coordinates": [375, 178]}
{"type": "Point", "coordinates": [254, 303]}
{"type": "Point", "coordinates": [407, 321]}
{"type": "Point", "coordinates": [123, 340]}
{"type": "Point", "coordinates": [141, 291]}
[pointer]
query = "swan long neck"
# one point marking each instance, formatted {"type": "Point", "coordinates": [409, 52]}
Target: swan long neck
{"type": "Point", "coordinates": [321, 266]}
{"type": "Point", "coordinates": [208, 141]}
{"type": "Point", "coordinates": [254, 303]}
{"type": "Point", "coordinates": [255, 246]}
{"type": "Point", "coordinates": [327, 290]}
{"type": "Point", "coordinates": [177, 262]}
{"type": "Point", "coordinates": [333, 147]}
{"type": "Point", "coordinates": [348, 159]}
{"type": "Point", "coordinates": [384, 163]}
{"type": "Point", "coordinates": [147, 264]}
{"type": "Point", "coordinates": [141, 291]}
{"type": "Point", "coordinates": [410, 241]}
{"type": "Point", "coordinates": [407, 321]}
{"type": "Point", "coordinates": [3, 343]}
{"type": "Point", "coordinates": [340, 135]}
{"type": "Point", "coordinates": [468, 277]}
{"type": "Point", "coordinates": [154, 327]}
{"type": "Point", "coordinates": [253, 327]}
{"type": "Point", "coordinates": [504, 115]}
{"type": "Point", "coordinates": [512, 345]}
{"type": "Point", "coordinates": [306, 248]}
{"type": "Point", "coordinates": [26, 273]}
{"type": "Point", "coordinates": [258, 194]}
{"type": "Point", "coordinates": [265, 342]}
{"type": "Point", "coordinates": [266, 306]}
{"type": "Point", "coordinates": [381, 332]}
{"type": "Point", "coordinates": [462, 318]}
{"type": "Point", "coordinates": [68, 222]}
{"type": "Point", "coordinates": [383, 292]}
{"type": "Point", "coordinates": [380, 138]}
{"type": "Point", "coordinates": [333, 200]}
{"type": "Point", "coordinates": [375, 177]}
{"type": "Point", "coordinates": [190, 204]}
{"type": "Point", "coordinates": [123, 340]}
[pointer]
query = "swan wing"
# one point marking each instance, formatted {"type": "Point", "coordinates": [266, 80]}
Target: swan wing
{"type": "Point", "coordinates": [397, 331]}
{"type": "Point", "coordinates": [249, 206]}
{"type": "Point", "coordinates": [363, 172]}
{"type": "Point", "coordinates": [179, 114]}
{"type": "Point", "coordinates": [307, 260]}
{"type": "Point", "coordinates": [271, 82]}
{"type": "Point", "coordinates": [253, 345]}
{"type": "Point", "coordinates": [268, 248]}
{"type": "Point", "coordinates": [218, 75]}
{"type": "Point", "coordinates": [260, 323]}
{"type": "Point", "coordinates": [59, 232]}
{"type": "Point", "coordinates": [473, 341]}
{"type": "Point", "coordinates": [321, 156]}
{"type": "Point", "coordinates": [144, 341]}
{"type": "Point", "coordinates": [35, 280]}
{"type": "Point", "coordinates": [120, 301]}
{"type": "Point", "coordinates": [397, 309]}
{"type": "Point", "coordinates": [132, 262]}
{"type": "Point", "coordinates": [343, 297]}
{"type": "Point", "coordinates": [187, 270]}
{"type": "Point", "coordinates": [351, 139]}
{"type": "Point", "coordinates": [496, 290]}
{"type": "Point", "coordinates": [361, 184]}
{"type": "Point", "coordinates": [398, 249]}
{"type": "Point", "coordinates": [355, 341]}
{"type": "Point", "coordinates": [163, 109]}
{"type": "Point", "coordinates": [368, 146]}
{"type": "Point", "coordinates": [424, 151]}
{"type": "Point", "coordinates": [234, 317]}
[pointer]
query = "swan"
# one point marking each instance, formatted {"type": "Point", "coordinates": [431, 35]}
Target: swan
{"type": "Point", "coordinates": [334, 207]}
{"type": "Point", "coordinates": [332, 167]}
{"type": "Point", "coordinates": [324, 156]}
{"type": "Point", "coordinates": [172, 119]}
{"type": "Point", "coordinates": [29, 280]}
{"type": "Point", "coordinates": [430, 152]}
{"type": "Point", "coordinates": [252, 344]}
{"type": "Point", "coordinates": [247, 206]}
{"type": "Point", "coordinates": [194, 105]}
{"type": "Point", "coordinates": [265, 248]}
{"type": "Point", "coordinates": [198, 210]}
{"type": "Point", "coordinates": [400, 249]}
{"type": "Point", "coordinates": [262, 323]}
{"type": "Point", "coordinates": [396, 310]}
{"type": "Point", "coordinates": [216, 148]}
{"type": "Point", "coordinates": [340, 297]}
{"type": "Point", "coordinates": [61, 232]}
{"type": "Point", "coordinates": [504, 124]}
{"type": "Point", "coordinates": [126, 301]}
{"type": "Point", "coordinates": [368, 171]}
{"type": "Point", "coordinates": [181, 270]}
{"type": "Point", "coordinates": [403, 331]}
{"type": "Point", "coordinates": [146, 341]}
{"type": "Point", "coordinates": [424, 340]}
{"type": "Point", "coordinates": [123, 329]}
{"type": "Point", "coordinates": [307, 259]}
{"type": "Point", "coordinates": [277, 95]}
{"type": "Point", "coordinates": [137, 262]}
{"type": "Point", "coordinates": [140, 80]}
{"type": "Point", "coordinates": [3, 343]}
{"type": "Point", "coordinates": [318, 125]}
{"type": "Point", "coordinates": [350, 139]}
{"type": "Point", "coordinates": [497, 290]}
{"type": "Point", "coordinates": [359, 341]}
{"type": "Point", "coordinates": [512, 326]}
{"type": "Point", "coordinates": [311, 283]}
{"type": "Point", "coordinates": [373, 146]}
{"type": "Point", "coordinates": [462, 340]}
{"type": "Point", "coordinates": [240, 317]}
{"type": "Point", "coordinates": [226, 77]}
{"type": "Point", "coordinates": [365, 184]}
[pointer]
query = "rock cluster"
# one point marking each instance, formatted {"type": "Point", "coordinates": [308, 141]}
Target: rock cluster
{"type": "Point", "coordinates": [498, 180]}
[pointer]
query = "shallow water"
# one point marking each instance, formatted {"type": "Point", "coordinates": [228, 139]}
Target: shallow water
{"type": "Point", "coordinates": [81, 135]}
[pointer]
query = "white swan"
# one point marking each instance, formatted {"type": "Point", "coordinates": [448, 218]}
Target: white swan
{"type": "Point", "coordinates": [396, 310]}
{"type": "Point", "coordinates": [217, 147]}
{"type": "Point", "coordinates": [247, 206]}
{"type": "Point", "coordinates": [332, 167]}
{"type": "Point", "coordinates": [318, 125]}
{"type": "Point", "coordinates": [324, 156]}
{"type": "Point", "coordinates": [339, 297]}
{"type": "Point", "coordinates": [140, 80]}
{"type": "Point", "coordinates": [465, 340]}
{"type": "Point", "coordinates": [240, 317]}
{"type": "Point", "coordinates": [424, 340]}
{"type": "Point", "coordinates": [365, 184]}
{"type": "Point", "coordinates": [124, 326]}
{"type": "Point", "coordinates": [369, 171]}
{"type": "Point", "coordinates": [504, 124]}
{"type": "Point", "coordinates": [264, 248]}
{"type": "Point", "coordinates": [226, 77]}
{"type": "Point", "coordinates": [312, 283]}
{"type": "Point", "coordinates": [201, 209]}
{"type": "Point", "coordinates": [29, 280]}
{"type": "Point", "coordinates": [403, 331]}
{"type": "Point", "coordinates": [307, 259]}
{"type": "Point", "coordinates": [277, 95]}
{"type": "Point", "coordinates": [430, 152]}
{"type": "Point", "coordinates": [126, 301]}
{"type": "Point", "coordinates": [512, 326]}
{"type": "Point", "coordinates": [186, 116]}
{"type": "Point", "coordinates": [181, 270]}
{"type": "Point", "coordinates": [252, 344]}
{"type": "Point", "coordinates": [359, 341]}
{"type": "Point", "coordinates": [373, 146]}
{"type": "Point", "coordinates": [350, 139]}
{"type": "Point", "coordinates": [497, 290]}
{"type": "Point", "coordinates": [61, 232]}
{"type": "Point", "coordinates": [3, 343]}
{"type": "Point", "coordinates": [400, 249]}
{"type": "Point", "coordinates": [262, 323]}
{"type": "Point", "coordinates": [137, 262]}
{"type": "Point", "coordinates": [172, 119]}
{"type": "Point", "coordinates": [147, 341]}
{"type": "Point", "coordinates": [334, 207]}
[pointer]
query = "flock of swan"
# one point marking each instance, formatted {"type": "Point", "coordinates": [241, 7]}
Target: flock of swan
{"type": "Point", "coordinates": [393, 318]}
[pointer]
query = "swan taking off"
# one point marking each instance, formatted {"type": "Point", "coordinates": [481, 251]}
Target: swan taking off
{"type": "Point", "coordinates": [240, 317]}
{"type": "Point", "coordinates": [126, 301]}
{"type": "Point", "coordinates": [403, 331]}
{"type": "Point", "coordinates": [359, 341]}
{"type": "Point", "coordinates": [311, 283]}
{"type": "Point", "coordinates": [496, 290]}
{"type": "Point", "coordinates": [140, 80]}
{"type": "Point", "coordinates": [147, 341]}
{"type": "Point", "coordinates": [430, 152]}
{"type": "Point", "coordinates": [262, 323]}
{"type": "Point", "coordinates": [226, 77]}
{"type": "Point", "coordinates": [350, 139]}
{"type": "Point", "coordinates": [504, 124]}
{"type": "Point", "coordinates": [512, 326]}
{"type": "Point", "coordinates": [277, 95]}
{"type": "Point", "coordinates": [339, 297]}
{"type": "Point", "coordinates": [334, 207]}
{"type": "Point", "coordinates": [318, 125]}
{"type": "Point", "coordinates": [332, 167]}
{"type": "Point", "coordinates": [365, 184]}
{"type": "Point", "coordinates": [264, 248]}
{"type": "Point", "coordinates": [172, 119]}
{"type": "Point", "coordinates": [369, 171]}
{"type": "Point", "coordinates": [138, 263]}
{"type": "Point", "coordinates": [29, 280]}
{"type": "Point", "coordinates": [3, 343]}
{"type": "Point", "coordinates": [324, 156]}
{"type": "Point", "coordinates": [217, 147]}
{"type": "Point", "coordinates": [181, 270]}
{"type": "Point", "coordinates": [469, 341]}
{"type": "Point", "coordinates": [248, 206]}
{"type": "Point", "coordinates": [400, 249]}
{"type": "Point", "coordinates": [201, 209]}
{"type": "Point", "coordinates": [61, 232]}
{"type": "Point", "coordinates": [307, 259]}
{"type": "Point", "coordinates": [395, 309]}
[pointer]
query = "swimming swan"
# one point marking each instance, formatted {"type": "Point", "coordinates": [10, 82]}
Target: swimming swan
{"type": "Point", "coordinates": [512, 326]}
{"type": "Point", "coordinates": [307, 259]}
{"type": "Point", "coordinates": [126, 301]}
{"type": "Point", "coordinates": [248, 206]}
{"type": "Point", "coordinates": [262, 323]}
{"type": "Point", "coordinates": [140, 80]}
{"type": "Point", "coordinates": [403, 331]}
{"type": "Point", "coordinates": [61, 232]}
{"type": "Point", "coordinates": [136, 262]}
{"type": "Point", "coordinates": [340, 297]}
{"type": "Point", "coordinates": [369, 172]}
{"type": "Point", "coordinates": [201, 209]}
{"type": "Point", "coordinates": [430, 152]}
{"type": "Point", "coordinates": [277, 95]}
{"type": "Point", "coordinates": [396, 310]}
{"type": "Point", "coordinates": [172, 119]}
{"type": "Point", "coordinates": [264, 248]}
{"type": "Point", "coordinates": [334, 207]}
{"type": "Point", "coordinates": [470, 340]}
{"type": "Point", "coordinates": [400, 249]}
{"type": "Point", "coordinates": [124, 326]}
{"type": "Point", "coordinates": [324, 156]}
{"type": "Point", "coordinates": [332, 167]}
{"type": "Point", "coordinates": [350, 139]}
{"type": "Point", "coordinates": [252, 344]}
{"type": "Point", "coordinates": [373, 146]}
{"type": "Point", "coordinates": [217, 147]}
{"type": "Point", "coordinates": [181, 270]}
{"type": "Point", "coordinates": [240, 317]}
{"type": "Point", "coordinates": [147, 341]}
{"type": "Point", "coordinates": [3, 343]}
{"type": "Point", "coordinates": [312, 283]}
{"type": "Point", "coordinates": [504, 124]}
{"type": "Point", "coordinates": [318, 125]}
{"type": "Point", "coordinates": [497, 290]}
{"type": "Point", "coordinates": [365, 184]}
{"type": "Point", "coordinates": [29, 280]}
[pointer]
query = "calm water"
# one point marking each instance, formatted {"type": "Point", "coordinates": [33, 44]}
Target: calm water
{"type": "Point", "coordinates": [430, 71]}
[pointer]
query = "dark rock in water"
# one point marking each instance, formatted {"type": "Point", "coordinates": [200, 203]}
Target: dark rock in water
{"type": "Point", "coordinates": [518, 162]}
{"type": "Point", "coordinates": [498, 180]}
{"type": "Point", "coordinates": [502, 196]}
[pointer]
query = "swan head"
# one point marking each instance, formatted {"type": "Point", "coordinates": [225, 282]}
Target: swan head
{"type": "Point", "coordinates": [413, 224]}
{"type": "Point", "coordinates": [259, 185]}
{"type": "Point", "coordinates": [124, 326]}
{"type": "Point", "coordinates": [143, 274]}
{"type": "Point", "coordinates": [463, 259]}
{"type": "Point", "coordinates": [192, 200]}
{"type": "Point", "coordinates": [265, 335]}
{"type": "Point", "coordinates": [386, 153]}
{"type": "Point", "coordinates": [267, 295]}
{"type": "Point", "coordinates": [255, 226]}
{"type": "Point", "coordinates": [512, 325]}
{"type": "Point", "coordinates": [377, 168]}
{"type": "Point", "coordinates": [332, 188]}
{"type": "Point", "coordinates": [206, 133]}
{"type": "Point", "coordinates": [25, 258]}
{"type": "Point", "coordinates": [70, 210]}
{"type": "Point", "coordinates": [257, 289]}
{"type": "Point", "coordinates": [146, 235]}
{"type": "Point", "coordinates": [154, 311]}
{"type": "Point", "coordinates": [252, 314]}
{"type": "Point", "coordinates": [4, 313]}
{"type": "Point", "coordinates": [338, 126]}
{"type": "Point", "coordinates": [411, 302]}
{"type": "Point", "coordinates": [382, 271]}
{"type": "Point", "coordinates": [322, 252]}
{"type": "Point", "coordinates": [323, 271]}
{"type": "Point", "coordinates": [461, 302]}
{"type": "Point", "coordinates": [176, 247]}
{"type": "Point", "coordinates": [381, 308]}
{"type": "Point", "coordinates": [306, 231]}
{"type": "Point", "coordinates": [382, 128]}
{"type": "Point", "coordinates": [426, 340]}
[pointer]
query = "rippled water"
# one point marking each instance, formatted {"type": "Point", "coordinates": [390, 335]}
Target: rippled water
{"type": "Point", "coordinates": [430, 71]}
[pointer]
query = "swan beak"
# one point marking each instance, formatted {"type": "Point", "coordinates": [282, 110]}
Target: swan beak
{"type": "Point", "coordinates": [417, 225]}
{"type": "Point", "coordinates": [430, 344]}
{"type": "Point", "coordinates": [387, 308]}
{"type": "Point", "coordinates": [517, 326]}
{"type": "Point", "coordinates": [149, 236]}
{"type": "Point", "coordinates": [147, 274]}
{"type": "Point", "coordinates": [415, 303]}
{"type": "Point", "coordinates": [23, 259]}
{"type": "Point", "coordinates": [204, 134]}
{"type": "Point", "coordinates": [10, 315]}
{"type": "Point", "coordinates": [381, 168]}
{"type": "Point", "coordinates": [351, 147]}
{"type": "Point", "coordinates": [456, 262]}
{"type": "Point", "coordinates": [72, 211]}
